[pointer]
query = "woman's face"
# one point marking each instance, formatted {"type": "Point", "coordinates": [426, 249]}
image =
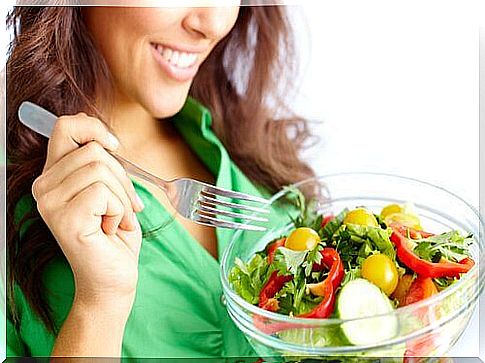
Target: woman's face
{"type": "Point", "coordinates": [154, 53]}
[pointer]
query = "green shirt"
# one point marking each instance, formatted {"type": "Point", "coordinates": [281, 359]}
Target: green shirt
{"type": "Point", "coordinates": [178, 309]}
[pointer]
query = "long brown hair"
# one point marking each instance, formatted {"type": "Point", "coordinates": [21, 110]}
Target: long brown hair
{"type": "Point", "coordinates": [54, 63]}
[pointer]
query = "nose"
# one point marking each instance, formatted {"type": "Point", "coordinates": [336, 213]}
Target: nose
{"type": "Point", "coordinates": [211, 23]}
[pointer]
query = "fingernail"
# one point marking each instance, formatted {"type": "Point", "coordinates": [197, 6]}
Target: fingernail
{"type": "Point", "coordinates": [113, 141]}
{"type": "Point", "coordinates": [139, 202]}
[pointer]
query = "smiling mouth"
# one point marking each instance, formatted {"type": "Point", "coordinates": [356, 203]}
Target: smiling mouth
{"type": "Point", "coordinates": [176, 58]}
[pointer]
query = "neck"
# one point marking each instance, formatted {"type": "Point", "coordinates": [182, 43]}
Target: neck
{"type": "Point", "coordinates": [134, 126]}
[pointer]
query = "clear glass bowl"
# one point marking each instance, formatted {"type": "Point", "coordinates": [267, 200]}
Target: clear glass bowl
{"type": "Point", "coordinates": [427, 328]}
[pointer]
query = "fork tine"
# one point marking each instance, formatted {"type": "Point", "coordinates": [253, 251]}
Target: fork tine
{"type": "Point", "coordinates": [210, 198]}
{"type": "Point", "coordinates": [231, 194]}
{"type": "Point", "coordinates": [214, 222]}
{"type": "Point", "coordinates": [226, 213]}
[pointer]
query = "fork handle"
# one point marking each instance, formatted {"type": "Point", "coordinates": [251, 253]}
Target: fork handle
{"type": "Point", "coordinates": [135, 170]}
{"type": "Point", "coordinates": [42, 121]}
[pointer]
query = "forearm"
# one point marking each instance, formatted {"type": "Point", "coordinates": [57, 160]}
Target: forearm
{"type": "Point", "coordinates": [92, 331]}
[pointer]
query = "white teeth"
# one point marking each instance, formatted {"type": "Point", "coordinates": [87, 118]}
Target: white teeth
{"type": "Point", "coordinates": [176, 58]}
{"type": "Point", "coordinates": [184, 60]}
{"type": "Point", "coordinates": [167, 53]}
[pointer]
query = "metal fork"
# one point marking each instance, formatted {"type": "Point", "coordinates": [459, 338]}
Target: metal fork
{"type": "Point", "coordinates": [193, 199]}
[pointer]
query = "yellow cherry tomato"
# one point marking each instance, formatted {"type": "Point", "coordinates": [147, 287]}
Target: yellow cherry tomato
{"type": "Point", "coordinates": [408, 220]}
{"type": "Point", "coordinates": [302, 239]}
{"type": "Point", "coordinates": [391, 208]}
{"type": "Point", "coordinates": [361, 216]}
{"type": "Point", "coordinates": [381, 271]}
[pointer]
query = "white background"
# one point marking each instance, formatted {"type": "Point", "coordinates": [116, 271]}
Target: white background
{"type": "Point", "coordinates": [394, 87]}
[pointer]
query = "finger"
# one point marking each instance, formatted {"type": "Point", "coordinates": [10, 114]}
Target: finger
{"type": "Point", "coordinates": [132, 239]}
{"type": "Point", "coordinates": [98, 205]}
{"type": "Point", "coordinates": [79, 158]}
{"type": "Point", "coordinates": [91, 174]}
{"type": "Point", "coordinates": [71, 131]}
{"type": "Point", "coordinates": [37, 190]}
{"type": "Point", "coordinates": [111, 223]}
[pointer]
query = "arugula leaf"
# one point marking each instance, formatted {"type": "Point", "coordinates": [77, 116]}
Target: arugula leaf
{"type": "Point", "coordinates": [443, 282]}
{"type": "Point", "coordinates": [307, 304]}
{"type": "Point", "coordinates": [450, 245]}
{"type": "Point", "coordinates": [313, 256]}
{"type": "Point", "coordinates": [316, 276]}
{"type": "Point", "coordinates": [294, 298]}
{"type": "Point", "coordinates": [351, 274]}
{"type": "Point", "coordinates": [285, 297]}
{"type": "Point", "coordinates": [307, 212]}
{"type": "Point", "coordinates": [300, 288]}
{"type": "Point", "coordinates": [425, 251]}
{"type": "Point", "coordinates": [317, 223]}
{"type": "Point", "coordinates": [332, 226]}
{"type": "Point", "coordinates": [347, 249]}
{"type": "Point", "coordinates": [355, 242]}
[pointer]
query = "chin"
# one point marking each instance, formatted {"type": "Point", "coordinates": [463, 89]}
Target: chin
{"type": "Point", "coordinates": [167, 105]}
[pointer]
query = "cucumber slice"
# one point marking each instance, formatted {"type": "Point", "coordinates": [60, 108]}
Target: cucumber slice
{"type": "Point", "coordinates": [360, 298]}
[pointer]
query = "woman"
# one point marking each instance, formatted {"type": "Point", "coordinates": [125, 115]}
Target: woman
{"type": "Point", "coordinates": [94, 267]}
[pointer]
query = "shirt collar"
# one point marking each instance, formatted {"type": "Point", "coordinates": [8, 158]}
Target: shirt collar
{"type": "Point", "coordinates": [194, 123]}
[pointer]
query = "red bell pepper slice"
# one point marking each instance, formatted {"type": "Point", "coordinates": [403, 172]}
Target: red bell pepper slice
{"type": "Point", "coordinates": [274, 284]}
{"type": "Point", "coordinates": [421, 266]}
{"type": "Point", "coordinates": [420, 289]}
{"type": "Point", "coordinates": [327, 219]}
{"type": "Point", "coordinates": [326, 306]}
{"type": "Point", "coordinates": [331, 260]}
{"type": "Point", "coordinates": [327, 288]}
{"type": "Point", "coordinates": [273, 247]}
{"type": "Point", "coordinates": [413, 233]}
{"type": "Point", "coordinates": [467, 261]}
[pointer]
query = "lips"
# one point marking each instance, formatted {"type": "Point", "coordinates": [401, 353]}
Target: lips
{"type": "Point", "coordinates": [179, 65]}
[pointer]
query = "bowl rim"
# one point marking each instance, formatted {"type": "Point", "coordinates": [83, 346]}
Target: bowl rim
{"type": "Point", "coordinates": [348, 349]}
{"type": "Point", "coordinates": [476, 269]}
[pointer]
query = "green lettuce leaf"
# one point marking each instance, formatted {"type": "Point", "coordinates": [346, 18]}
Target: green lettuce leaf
{"type": "Point", "coordinates": [248, 279]}
{"type": "Point", "coordinates": [293, 260]}
{"type": "Point", "coordinates": [381, 239]}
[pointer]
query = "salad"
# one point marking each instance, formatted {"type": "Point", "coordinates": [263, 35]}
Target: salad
{"type": "Point", "coordinates": [354, 264]}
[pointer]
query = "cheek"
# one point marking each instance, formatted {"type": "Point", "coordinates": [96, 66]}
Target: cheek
{"type": "Point", "coordinates": [122, 37]}
{"type": "Point", "coordinates": [231, 16]}
{"type": "Point", "coordinates": [116, 33]}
